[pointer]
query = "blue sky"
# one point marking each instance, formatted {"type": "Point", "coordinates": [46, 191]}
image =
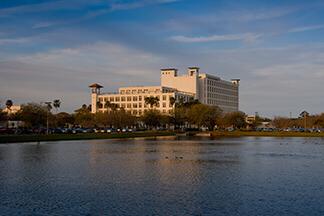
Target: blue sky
{"type": "Point", "coordinates": [54, 49]}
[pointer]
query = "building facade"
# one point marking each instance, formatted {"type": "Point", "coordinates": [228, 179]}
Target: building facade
{"type": "Point", "coordinates": [132, 99]}
{"type": "Point", "coordinates": [208, 89]}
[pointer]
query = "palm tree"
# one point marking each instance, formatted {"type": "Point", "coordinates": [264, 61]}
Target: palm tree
{"type": "Point", "coordinates": [113, 106]}
{"type": "Point", "coordinates": [99, 105]}
{"type": "Point", "coordinates": [107, 104]}
{"type": "Point", "coordinates": [152, 101]}
{"type": "Point", "coordinates": [56, 104]}
{"type": "Point", "coordinates": [304, 115]}
{"type": "Point", "coordinates": [9, 104]}
{"type": "Point", "coordinates": [172, 101]}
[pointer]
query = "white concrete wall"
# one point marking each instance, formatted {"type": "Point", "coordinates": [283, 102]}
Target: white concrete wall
{"type": "Point", "coordinates": [183, 83]}
{"type": "Point", "coordinates": [94, 99]}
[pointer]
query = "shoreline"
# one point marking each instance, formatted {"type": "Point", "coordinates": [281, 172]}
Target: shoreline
{"type": "Point", "coordinates": [91, 136]}
{"type": "Point", "coordinates": [87, 136]}
{"type": "Point", "coordinates": [215, 134]}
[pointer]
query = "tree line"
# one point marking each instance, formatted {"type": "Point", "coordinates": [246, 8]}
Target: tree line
{"type": "Point", "coordinates": [191, 114]}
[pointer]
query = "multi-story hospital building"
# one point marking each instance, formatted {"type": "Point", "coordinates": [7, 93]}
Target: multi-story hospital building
{"type": "Point", "coordinates": [208, 89]}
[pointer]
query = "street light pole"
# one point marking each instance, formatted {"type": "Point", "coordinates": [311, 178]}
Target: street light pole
{"type": "Point", "coordinates": [49, 106]}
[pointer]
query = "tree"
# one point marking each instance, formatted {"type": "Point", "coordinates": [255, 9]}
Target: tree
{"type": "Point", "coordinates": [211, 116]}
{"type": "Point", "coordinates": [172, 101]}
{"type": "Point", "coordinates": [304, 115]}
{"type": "Point", "coordinates": [319, 121]}
{"type": "Point", "coordinates": [152, 118]}
{"type": "Point", "coordinates": [204, 115]}
{"type": "Point", "coordinates": [234, 119]}
{"type": "Point", "coordinates": [33, 114]}
{"type": "Point", "coordinates": [281, 122]}
{"type": "Point", "coordinates": [152, 101]}
{"type": "Point", "coordinates": [102, 119]}
{"type": "Point", "coordinates": [107, 104]}
{"type": "Point", "coordinates": [9, 104]}
{"type": "Point", "coordinates": [178, 116]}
{"type": "Point", "coordinates": [3, 115]}
{"type": "Point", "coordinates": [121, 118]}
{"type": "Point", "coordinates": [56, 104]}
{"type": "Point", "coordinates": [63, 118]}
{"type": "Point", "coordinates": [84, 117]}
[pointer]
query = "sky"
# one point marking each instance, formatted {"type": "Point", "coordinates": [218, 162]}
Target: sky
{"type": "Point", "coordinates": [55, 49]}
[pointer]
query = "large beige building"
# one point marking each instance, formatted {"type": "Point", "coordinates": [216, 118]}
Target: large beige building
{"type": "Point", "coordinates": [208, 89]}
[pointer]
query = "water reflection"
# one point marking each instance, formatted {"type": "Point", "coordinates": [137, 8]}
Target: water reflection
{"type": "Point", "coordinates": [169, 176]}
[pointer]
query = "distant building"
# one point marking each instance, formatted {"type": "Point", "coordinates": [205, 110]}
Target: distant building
{"type": "Point", "coordinates": [208, 89]}
{"type": "Point", "coordinates": [250, 119]}
{"type": "Point", "coordinates": [12, 110]}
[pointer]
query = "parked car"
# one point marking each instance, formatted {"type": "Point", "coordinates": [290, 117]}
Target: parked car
{"type": "Point", "coordinates": [7, 131]}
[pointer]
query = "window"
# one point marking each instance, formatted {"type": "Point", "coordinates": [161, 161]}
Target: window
{"type": "Point", "coordinates": [140, 105]}
{"type": "Point", "coordinates": [164, 97]}
{"type": "Point", "coordinates": [112, 99]}
{"type": "Point", "coordinates": [164, 104]}
{"type": "Point", "coordinates": [129, 98]}
{"type": "Point", "coordinates": [117, 99]}
{"type": "Point", "coordinates": [134, 112]}
{"type": "Point", "coordinates": [134, 105]}
{"type": "Point", "coordinates": [122, 98]}
{"type": "Point", "coordinates": [134, 98]}
{"type": "Point", "coordinates": [129, 105]}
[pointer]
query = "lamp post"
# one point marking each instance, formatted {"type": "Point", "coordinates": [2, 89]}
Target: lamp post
{"type": "Point", "coordinates": [49, 107]}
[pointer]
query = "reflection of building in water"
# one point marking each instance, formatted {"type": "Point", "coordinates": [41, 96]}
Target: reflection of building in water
{"type": "Point", "coordinates": [208, 89]}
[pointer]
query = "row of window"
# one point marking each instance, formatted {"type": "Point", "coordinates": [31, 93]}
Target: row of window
{"type": "Point", "coordinates": [222, 103]}
{"type": "Point", "coordinates": [221, 84]}
{"type": "Point", "coordinates": [222, 91]}
{"type": "Point", "coordinates": [139, 91]}
{"type": "Point", "coordinates": [135, 105]}
{"type": "Point", "coordinates": [140, 112]}
{"type": "Point", "coordinates": [130, 98]}
{"type": "Point", "coordinates": [222, 97]}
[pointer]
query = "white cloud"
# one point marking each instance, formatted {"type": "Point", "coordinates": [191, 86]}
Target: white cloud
{"type": "Point", "coordinates": [306, 28]}
{"type": "Point", "coordinates": [66, 73]}
{"type": "Point", "coordinates": [4, 41]}
{"type": "Point", "coordinates": [246, 37]}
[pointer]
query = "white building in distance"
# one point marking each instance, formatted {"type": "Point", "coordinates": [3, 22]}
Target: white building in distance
{"type": "Point", "coordinates": [208, 89]}
{"type": "Point", "coordinates": [12, 110]}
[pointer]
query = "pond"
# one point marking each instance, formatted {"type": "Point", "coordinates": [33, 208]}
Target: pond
{"type": "Point", "coordinates": [164, 176]}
